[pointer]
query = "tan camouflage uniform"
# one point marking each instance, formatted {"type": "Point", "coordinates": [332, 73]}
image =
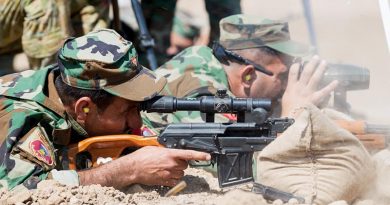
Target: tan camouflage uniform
{"type": "Point", "coordinates": [38, 27]}
{"type": "Point", "coordinates": [35, 125]}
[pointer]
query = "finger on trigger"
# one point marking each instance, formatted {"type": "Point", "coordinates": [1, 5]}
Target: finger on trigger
{"type": "Point", "coordinates": [192, 155]}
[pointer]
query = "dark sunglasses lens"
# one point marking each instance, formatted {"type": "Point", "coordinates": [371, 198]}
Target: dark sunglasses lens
{"type": "Point", "coordinates": [219, 52]}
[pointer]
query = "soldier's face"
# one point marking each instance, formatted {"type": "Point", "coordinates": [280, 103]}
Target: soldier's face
{"type": "Point", "coordinates": [265, 86]}
{"type": "Point", "coordinates": [120, 117]}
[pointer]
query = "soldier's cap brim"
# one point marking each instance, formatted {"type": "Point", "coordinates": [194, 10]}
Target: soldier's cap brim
{"type": "Point", "coordinates": [291, 48]}
{"type": "Point", "coordinates": [144, 86]}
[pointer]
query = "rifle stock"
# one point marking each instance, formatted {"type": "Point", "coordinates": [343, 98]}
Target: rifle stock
{"type": "Point", "coordinates": [373, 136]}
{"type": "Point", "coordinates": [373, 141]}
{"type": "Point", "coordinates": [105, 146]}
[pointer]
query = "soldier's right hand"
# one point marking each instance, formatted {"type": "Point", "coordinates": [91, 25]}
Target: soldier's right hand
{"type": "Point", "coordinates": [148, 165]}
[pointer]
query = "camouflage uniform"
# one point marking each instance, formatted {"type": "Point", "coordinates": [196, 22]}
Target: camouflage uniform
{"type": "Point", "coordinates": [38, 27]}
{"type": "Point", "coordinates": [160, 16]}
{"type": "Point", "coordinates": [186, 25]}
{"type": "Point", "coordinates": [196, 72]}
{"type": "Point", "coordinates": [35, 125]}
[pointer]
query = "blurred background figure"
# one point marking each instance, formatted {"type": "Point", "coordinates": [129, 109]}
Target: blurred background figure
{"type": "Point", "coordinates": [160, 19]}
{"type": "Point", "coordinates": [32, 31]}
{"type": "Point", "coordinates": [177, 24]}
{"type": "Point", "coordinates": [190, 26]}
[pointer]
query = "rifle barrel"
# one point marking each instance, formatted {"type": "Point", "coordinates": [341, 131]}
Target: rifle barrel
{"type": "Point", "coordinates": [139, 16]}
{"type": "Point", "coordinates": [378, 128]}
{"type": "Point", "coordinates": [146, 40]}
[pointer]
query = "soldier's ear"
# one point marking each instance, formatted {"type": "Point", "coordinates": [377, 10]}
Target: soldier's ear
{"type": "Point", "coordinates": [247, 75]}
{"type": "Point", "coordinates": [82, 108]}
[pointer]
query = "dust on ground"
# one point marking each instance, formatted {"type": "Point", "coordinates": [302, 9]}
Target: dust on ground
{"type": "Point", "coordinates": [202, 188]}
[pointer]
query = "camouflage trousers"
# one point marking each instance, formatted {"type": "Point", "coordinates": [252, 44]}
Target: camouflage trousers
{"type": "Point", "coordinates": [159, 17]}
{"type": "Point", "coordinates": [38, 27]}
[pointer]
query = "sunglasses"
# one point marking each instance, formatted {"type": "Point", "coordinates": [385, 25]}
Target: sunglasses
{"type": "Point", "coordinates": [223, 55]}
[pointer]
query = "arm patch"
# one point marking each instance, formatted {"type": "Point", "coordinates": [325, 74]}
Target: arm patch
{"type": "Point", "coordinates": [37, 148]}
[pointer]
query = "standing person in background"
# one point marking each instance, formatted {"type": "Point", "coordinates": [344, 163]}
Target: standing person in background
{"type": "Point", "coordinates": [159, 16]}
{"type": "Point", "coordinates": [190, 27]}
{"type": "Point", "coordinates": [39, 27]}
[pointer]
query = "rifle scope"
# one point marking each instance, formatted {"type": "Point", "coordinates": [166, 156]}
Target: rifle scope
{"type": "Point", "coordinates": [205, 104]}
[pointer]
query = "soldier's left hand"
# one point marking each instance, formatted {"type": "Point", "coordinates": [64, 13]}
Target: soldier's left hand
{"type": "Point", "coordinates": [302, 87]}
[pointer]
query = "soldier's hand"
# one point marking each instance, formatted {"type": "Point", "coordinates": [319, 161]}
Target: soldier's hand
{"type": "Point", "coordinates": [302, 87]}
{"type": "Point", "coordinates": [148, 165]}
{"type": "Point", "coordinates": [162, 166]}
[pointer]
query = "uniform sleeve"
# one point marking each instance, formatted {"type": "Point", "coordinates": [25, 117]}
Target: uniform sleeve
{"type": "Point", "coordinates": [26, 153]}
{"type": "Point", "coordinates": [184, 29]}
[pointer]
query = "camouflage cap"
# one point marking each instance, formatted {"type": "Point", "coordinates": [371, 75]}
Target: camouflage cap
{"type": "Point", "coordinates": [243, 31]}
{"type": "Point", "coordinates": [105, 60]}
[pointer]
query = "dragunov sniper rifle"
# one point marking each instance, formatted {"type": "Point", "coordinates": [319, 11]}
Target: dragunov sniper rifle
{"type": "Point", "coordinates": [231, 145]}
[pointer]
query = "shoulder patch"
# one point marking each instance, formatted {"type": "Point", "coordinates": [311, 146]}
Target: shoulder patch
{"type": "Point", "coordinates": [36, 145]}
{"type": "Point", "coordinates": [41, 152]}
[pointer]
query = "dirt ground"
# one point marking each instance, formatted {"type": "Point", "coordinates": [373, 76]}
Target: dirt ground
{"type": "Point", "coordinates": [202, 188]}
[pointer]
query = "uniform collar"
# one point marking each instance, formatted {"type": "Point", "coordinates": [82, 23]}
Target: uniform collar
{"type": "Point", "coordinates": [53, 102]}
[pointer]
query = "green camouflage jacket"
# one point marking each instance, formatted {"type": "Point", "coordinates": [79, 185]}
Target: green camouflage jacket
{"type": "Point", "coordinates": [192, 73]}
{"type": "Point", "coordinates": [33, 127]}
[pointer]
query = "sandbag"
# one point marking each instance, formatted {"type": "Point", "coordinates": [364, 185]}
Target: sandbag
{"type": "Point", "coordinates": [377, 192]}
{"type": "Point", "coordinates": [316, 160]}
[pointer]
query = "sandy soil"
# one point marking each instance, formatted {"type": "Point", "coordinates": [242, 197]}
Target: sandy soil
{"type": "Point", "coordinates": [202, 188]}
